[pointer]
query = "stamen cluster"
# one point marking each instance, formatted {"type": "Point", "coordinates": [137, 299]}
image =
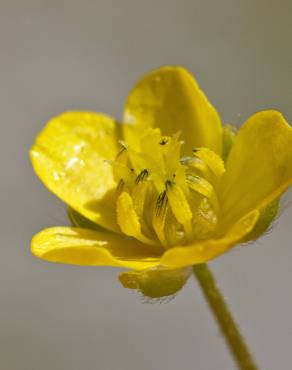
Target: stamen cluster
{"type": "Point", "coordinates": [163, 198]}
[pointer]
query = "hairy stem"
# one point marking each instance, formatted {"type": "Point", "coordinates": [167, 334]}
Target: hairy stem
{"type": "Point", "coordinates": [234, 340]}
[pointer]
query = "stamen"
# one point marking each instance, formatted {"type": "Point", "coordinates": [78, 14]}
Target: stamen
{"type": "Point", "coordinates": [159, 217]}
{"type": "Point", "coordinates": [196, 165]}
{"type": "Point", "coordinates": [172, 154]}
{"type": "Point", "coordinates": [128, 219]}
{"type": "Point", "coordinates": [168, 184]}
{"type": "Point", "coordinates": [203, 187]}
{"type": "Point", "coordinates": [123, 144]}
{"type": "Point", "coordinates": [120, 186]}
{"type": "Point", "coordinates": [142, 176]}
{"type": "Point", "coordinates": [139, 195]}
{"type": "Point", "coordinates": [164, 141]}
{"type": "Point", "coordinates": [180, 207]}
{"type": "Point", "coordinates": [205, 220]}
{"type": "Point", "coordinates": [123, 148]}
{"type": "Point", "coordinates": [162, 198]}
{"type": "Point", "coordinates": [122, 171]}
{"type": "Point", "coordinates": [213, 161]}
{"type": "Point", "coordinates": [161, 203]}
{"type": "Point", "coordinates": [178, 202]}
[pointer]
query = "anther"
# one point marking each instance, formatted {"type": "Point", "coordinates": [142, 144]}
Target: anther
{"type": "Point", "coordinates": [142, 176]}
{"type": "Point", "coordinates": [120, 186]}
{"type": "Point", "coordinates": [163, 141]}
{"type": "Point", "coordinates": [124, 147]}
{"type": "Point", "coordinates": [161, 203]}
{"type": "Point", "coordinates": [168, 184]}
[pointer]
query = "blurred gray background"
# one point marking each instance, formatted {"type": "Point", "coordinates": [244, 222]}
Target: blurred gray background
{"type": "Point", "coordinates": [73, 54]}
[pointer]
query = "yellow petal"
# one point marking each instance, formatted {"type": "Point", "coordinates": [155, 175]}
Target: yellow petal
{"type": "Point", "coordinates": [70, 155]}
{"type": "Point", "coordinates": [259, 166]}
{"type": "Point", "coordinates": [92, 248]}
{"type": "Point", "coordinates": [155, 282]}
{"type": "Point", "coordinates": [204, 251]}
{"type": "Point", "coordinates": [170, 98]}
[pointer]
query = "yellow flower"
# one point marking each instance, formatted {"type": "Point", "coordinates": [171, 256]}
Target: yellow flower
{"type": "Point", "coordinates": [169, 188]}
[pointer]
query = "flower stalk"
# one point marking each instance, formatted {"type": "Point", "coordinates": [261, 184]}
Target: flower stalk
{"type": "Point", "coordinates": [233, 338]}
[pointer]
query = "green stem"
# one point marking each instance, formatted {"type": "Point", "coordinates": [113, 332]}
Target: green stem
{"type": "Point", "coordinates": [228, 326]}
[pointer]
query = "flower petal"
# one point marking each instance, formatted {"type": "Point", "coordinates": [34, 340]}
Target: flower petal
{"type": "Point", "coordinates": [92, 248]}
{"type": "Point", "coordinates": [259, 167]}
{"type": "Point", "coordinates": [206, 250]}
{"type": "Point", "coordinates": [70, 155]}
{"type": "Point", "coordinates": [156, 282]}
{"type": "Point", "coordinates": [170, 98]}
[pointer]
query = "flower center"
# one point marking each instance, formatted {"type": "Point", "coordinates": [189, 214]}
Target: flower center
{"type": "Point", "coordinates": [163, 198]}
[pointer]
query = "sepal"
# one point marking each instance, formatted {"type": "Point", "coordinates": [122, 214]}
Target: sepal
{"type": "Point", "coordinates": [228, 136]}
{"type": "Point", "coordinates": [156, 282]}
